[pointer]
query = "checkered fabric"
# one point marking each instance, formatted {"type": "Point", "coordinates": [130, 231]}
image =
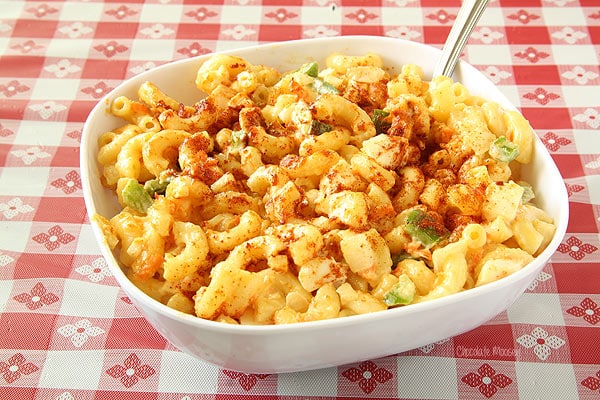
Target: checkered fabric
{"type": "Point", "coordinates": [66, 328]}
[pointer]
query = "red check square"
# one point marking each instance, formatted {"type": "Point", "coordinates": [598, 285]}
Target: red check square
{"type": "Point", "coordinates": [488, 342]}
{"type": "Point", "coordinates": [362, 30]}
{"type": "Point", "coordinates": [131, 395]}
{"type": "Point", "coordinates": [54, 209]}
{"type": "Point", "coordinates": [34, 28]}
{"type": "Point", "coordinates": [527, 35]}
{"type": "Point", "coordinates": [548, 118]}
{"type": "Point", "coordinates": [292, 3]}
{"type": "Point", "coordinates": [569, 165]}
{"type": "Point", "coordinates": [521, 3]}
{"type": "Point", "coordinates": [582, 219]}
{"type": "Point", "coordinates": [198, 2]}
{"type": "Point", "coordinates": [594, 34]}
{"type": "Point", "coordinates": [12, 66]}
{"type": "Point", "coordinates": [440, 3]}
{"type": "Point", "coordinates": [4, 152]}
{"type": "Point", "coordinates": [13, 109]}
{"type": "Point", "coordinates": [66, 157]}
{"type": "Point", "coordinates": [584, 339]}
{"type": "Point", "coordinates": [79, 110]}
{"type": "Point", "coordinates": [28, 266]}
{"type": "Point", "coordinates": [435, 34]}
{"type": "Point", "coordinates": [16, 330]}
{"type": "Point", "coordinates": [15, 392]}
{"type": "Point", "coordinates": [345, 3]}
{"type": "Point", "coordinates": [564, 274]}
{"type": "Point", "coordinates": [536, 75]}
{"type": "Point", "coordinates": [116, 30]}
{"type": "Point", "coordinates": [107, 69]}
{"type": "Point", "coordinates": [281, 32]}
{"type": "Point", "coordinates": [190, 31]}
{"type": "Point", "coordinates": [134, 333]}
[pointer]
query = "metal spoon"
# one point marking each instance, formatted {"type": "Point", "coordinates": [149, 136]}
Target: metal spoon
{"type": "Point", "coordinates": [469, 13]}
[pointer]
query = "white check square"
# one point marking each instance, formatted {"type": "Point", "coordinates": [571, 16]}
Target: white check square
{"type": "Point", "coordinates": [72, 369]}
{"type": "Point", "coordinates": [86, 299]}
{"type": "Point", "coordinates": [536, 309]}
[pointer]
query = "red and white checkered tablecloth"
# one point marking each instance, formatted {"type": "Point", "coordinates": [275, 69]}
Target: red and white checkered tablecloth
{"type": "Point", "coordinates": [65, 325]}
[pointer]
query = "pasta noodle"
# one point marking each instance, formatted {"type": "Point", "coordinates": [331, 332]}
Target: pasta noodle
{"type": "Point", "coordinates": [285, 197]}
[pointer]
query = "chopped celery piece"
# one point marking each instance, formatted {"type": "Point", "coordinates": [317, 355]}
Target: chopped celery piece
{"type": "Point", "coordinates": [318, 127]}
{"type": "Point", "coordinates": [323, 87]}
{"type": "Point", "coordinates": [504, 150]}
{"type": "Point", "coordinates": [135, 196]}
{"type": "Point", "coordinates": [310, 69]}
{"type": "Point", "coordinates": [378, 118]}
{"type": "Point", "coordinates": [237, 139]}
{"type": "Point", "coordinates": [401, 293]}
{"type": "Point", "coordinates": [156, 186]}
{"type": "Point", "coordinates": [528, 194]}
{"type": "Point", "coordinates": [396, 258]}
{"type": "Point", "coordinates": [425, 228]}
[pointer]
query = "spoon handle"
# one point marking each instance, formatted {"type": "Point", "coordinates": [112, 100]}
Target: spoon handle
{"type": "Point", "coordinates": [468, 15]}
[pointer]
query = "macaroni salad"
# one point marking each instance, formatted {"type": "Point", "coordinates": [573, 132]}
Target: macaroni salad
{"type": "Point", "coordinates": [317, 193]}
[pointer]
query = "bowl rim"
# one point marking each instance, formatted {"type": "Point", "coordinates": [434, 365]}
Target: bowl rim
{"type": "Point", "coordinates": [343, 322]}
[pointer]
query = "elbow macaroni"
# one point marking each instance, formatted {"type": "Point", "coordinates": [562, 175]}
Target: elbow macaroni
{"type": "Point", "coordinates": [273, 202]}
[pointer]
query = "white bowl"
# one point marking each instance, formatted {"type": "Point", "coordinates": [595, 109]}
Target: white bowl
{"type": "Point", "coordinates": [311, 345]}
